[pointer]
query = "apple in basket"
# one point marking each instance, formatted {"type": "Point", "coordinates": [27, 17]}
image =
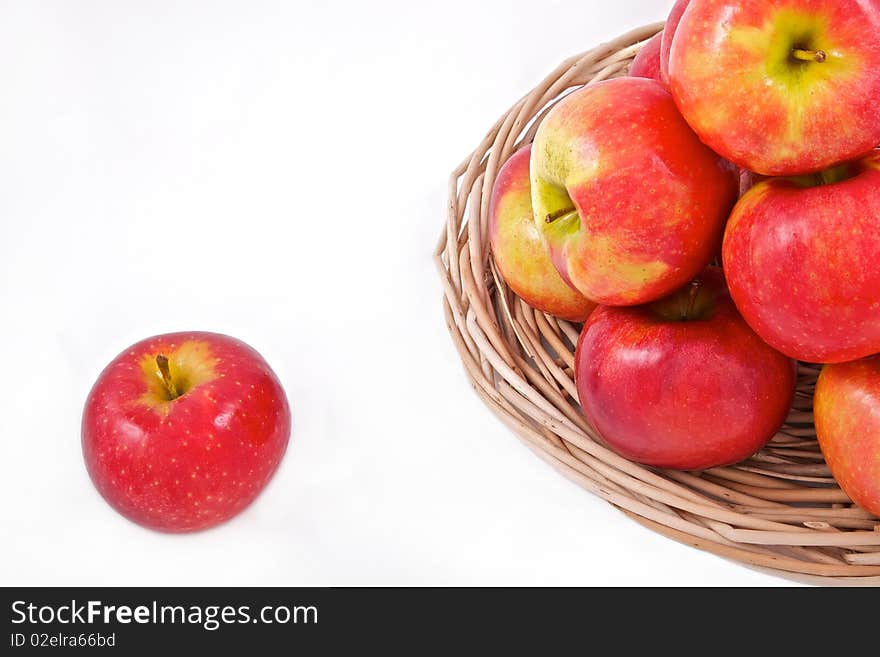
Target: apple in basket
{"type": "Point", "coordinates": [646, 63]}
{"type": "Point", "coordinates": [783, 87]}
{"type": "Point", "coordinates": [518, 249]}
{"type": "Point", "coordinates": [682, 382]}
{"type": "Point", "coordinates": [801, 257]}
{"type": "Point", "coordinates": [668, 35]}
{"type": "Point", "coordinates": [847, 414]}
{"type": "Point", "coordinates": [631, 205]}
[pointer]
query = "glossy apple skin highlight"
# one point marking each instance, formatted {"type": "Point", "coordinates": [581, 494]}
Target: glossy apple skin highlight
{"type": "Point", "coordinates": [195, 461]}
{"type": "Point", "coordinates": [648, 200]}
{"type": "Point", "coordinates": [668, 35]}
{"type": "Point", "coordinates": [786, 116]}
{"type": "Point", "coordinates": [846, 407]}
{"type": "Point", "coordinates": [646, 63]}
{"type": "Point", "coordinates": [802, 264]}
{"type": "Point", "coordinates": [686, 395]}
{"type": "Point", "coordinates": [519, 250]}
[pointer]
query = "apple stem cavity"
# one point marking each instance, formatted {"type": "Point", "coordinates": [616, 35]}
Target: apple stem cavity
{"type": "Point", "coordinates": [559, 214]}
{"type": "Point", "coordinates": [830, 176]}
{"type": "Point", "coordinates": [165, 371]}
{"type": "Point", "coordinates": [804, 55]}
{"type": "Point", "coordinates": [694, 290]}
{"type": "Point", "coordinates": [693, 302]}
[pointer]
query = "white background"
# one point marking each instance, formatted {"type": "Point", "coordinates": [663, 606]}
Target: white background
{"type": "Point", "coordinates": [277, 171]}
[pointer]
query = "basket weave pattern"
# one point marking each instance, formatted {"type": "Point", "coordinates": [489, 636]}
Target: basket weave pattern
{"type": "Point", "coordinates": [781, 509]}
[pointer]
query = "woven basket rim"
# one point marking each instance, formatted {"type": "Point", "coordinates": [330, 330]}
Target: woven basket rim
{"type": "Point", "coordinates": [779, 511]}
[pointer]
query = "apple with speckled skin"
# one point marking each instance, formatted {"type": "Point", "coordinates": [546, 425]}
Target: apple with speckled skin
{"type": "Point", "coordinates": [683, 382]}
{"type": "Point", "coordinates": [646, 63]}
{"type": "Point", "coordinates": [846, 407]}
{"type": "Point", "coordinates": [182, 431]}
{"type": "Point", "coordinates": [801, 256]}
{"type": "Point", "coordinates": [668, 35]}
{"type": "Point", "coordinates": [780, 88]}
{"type": "Point", "coordinates": [630, 203]}
{"type": "Point", "coordinates": [518, 249]}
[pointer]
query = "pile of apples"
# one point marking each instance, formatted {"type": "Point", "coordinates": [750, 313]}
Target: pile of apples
{"type": "Point", "coordinates": [745, 135]}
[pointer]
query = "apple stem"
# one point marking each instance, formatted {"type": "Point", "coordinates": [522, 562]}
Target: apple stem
{"type": "Point", "coordinates": [696, 284]}
{"type": "Point", "coordinates": [165, 371]}
{"type": "Point", "coordinates": [804, 55]}
{"type": "Point", "coordinates": [559, 214]}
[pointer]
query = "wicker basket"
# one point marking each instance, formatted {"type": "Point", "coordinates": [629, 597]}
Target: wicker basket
{"type": "Point", "coordinates": [779, 510]}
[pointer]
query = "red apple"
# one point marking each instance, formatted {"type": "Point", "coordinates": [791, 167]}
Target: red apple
{"type": "Point", "coordinates": [801, 258]}
{"type": "Point", "coordinates": [518, 249]}
{"type": "Point", "coordinates": [846, 407]}
{"type": "Point", "coordinates": [780, 88]}
{"type": "Point", "coordinates": [682, 383]}
{"type": "Point", "coordinates": [182, 431]}
{"type": "Point", "coordinates": [631, 204]}
{"type": "Point", "coordinates": [646, 64]}
{"type": "Point", "coordinates": [668, 34]}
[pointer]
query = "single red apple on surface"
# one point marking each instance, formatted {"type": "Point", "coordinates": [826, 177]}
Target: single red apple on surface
{"type": "Point", "coordinates": [631, 204]}
{"type": "Point", "coordinates": [668, 34]}
{"type": "Point", "coordinates": [646, 64]}
{"type": "Point", "coordinates": [846, 408]}
{"type": "Point", "coordinates": [683, 382]}
{"type": "Point", "coordinates": [801, 256]}
{"type": "Point", "coordinates": [519, 250]}
{"type": "Point", "coordinates": [780, 88]}
{"type": "Point", "coordinates": [182, 431]}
